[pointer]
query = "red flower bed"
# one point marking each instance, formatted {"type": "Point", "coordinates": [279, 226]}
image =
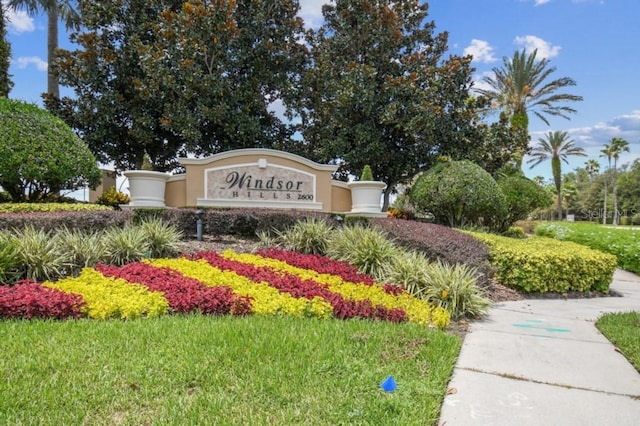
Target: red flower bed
{"type": "Point", "coordinates": [324, 265]}
{"type": "Point", "coordinates": [299, 287]}
{"type": "Point", "coordinates": [183, 294]}
{"type": "Point", "coordinates": [320, 264]}
{"type": "Point", "coordinates": [28, 299]}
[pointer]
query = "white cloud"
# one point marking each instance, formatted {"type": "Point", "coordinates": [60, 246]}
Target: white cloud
{"type": "Point", "coordinates": [481, 51]}
{"type": "Point", "coordinates": [24, 61]}
{"type": "Point", "coordinates": [531, 43]}
{"type": "Point", "coordinates": [541, 2]}
{"type": "Point", "coordinates": [18, 20]}
{"type": "Point", "coordinates": [311, 12]}
{"type": "Point", "coordinates": [478, 84]}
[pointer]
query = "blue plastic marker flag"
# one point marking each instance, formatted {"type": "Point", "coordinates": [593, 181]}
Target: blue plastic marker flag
{"type": "Point", "coordinates": [389, 385]}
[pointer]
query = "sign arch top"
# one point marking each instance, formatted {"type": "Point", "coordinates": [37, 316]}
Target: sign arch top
{"type": "Point", "coordinates": [259, 177]}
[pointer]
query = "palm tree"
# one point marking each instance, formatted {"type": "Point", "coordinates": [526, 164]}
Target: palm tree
{"type": "Point", "coordinates": [618, 146]}
{"type": "Point", "coordinates": [55, 9]}
{"type": "Point", "coordinates": [5, 57]}
{"type": "Point", "coordinates": [557, 146]}
{"type": "Point", "coordinates": [607, 151]}
{"type": "Point", "coordinates": [520, 87]}
{"type": "Point", "coordinates": [592, 167]}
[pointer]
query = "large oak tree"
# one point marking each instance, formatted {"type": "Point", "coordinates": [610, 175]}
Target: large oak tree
{"type": "Point", "coordinates": [171, 78]}
{"type": "Point", "coordinates": [380, 91]}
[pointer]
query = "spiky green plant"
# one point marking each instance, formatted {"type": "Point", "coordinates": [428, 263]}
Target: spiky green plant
{"type": "Point", "coordinates": [267, 239]}
{"type": "Point", "coordinates": [163, 240]}
{"type": "Point", "coordinates": [308, 236]}
{"type": "Point", "coordinates": [454, 287]}
{"type": "Point", "coordinates": [409, 270]}
{"type": "Point", "coordinates": [39, 254]}
{"type": "Point", "coordinates": [9, 261]}
{"type": "Point", "coordinates": [124, 245]}
{"type": "Point", "coordinates": [366, 248]}
{"type": "Point", "coordinates": [85, 249]}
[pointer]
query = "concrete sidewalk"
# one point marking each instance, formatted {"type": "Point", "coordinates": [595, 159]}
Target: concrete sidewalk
{"type": "Point", "coordinates": [543, 362]}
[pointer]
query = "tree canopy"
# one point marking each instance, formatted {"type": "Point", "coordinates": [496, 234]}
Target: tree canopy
{"type": "Point", "coordinates": [524, 85]}
{"type": "Point", "coordinates": [374, 85]}
{"type": "Point", "coordinates": [40, 155]}
{"type": "Point", "coordinates": [171, 78]}
{"type": "Point", "coordinates": [380, 91]}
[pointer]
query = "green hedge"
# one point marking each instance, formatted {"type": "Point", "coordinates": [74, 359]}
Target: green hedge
{"type": "Point", "coordinates": [50, 207]}
{"type": "Point", "coordinates": [539, 265]}
{"type": "Point", "coordinates": [624, 244]}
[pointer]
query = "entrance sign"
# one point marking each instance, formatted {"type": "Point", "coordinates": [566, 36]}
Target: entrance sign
{"type": "Point", "coordinates": [260, 182]}
{"type": "Point", "coordinates": [258, 178]}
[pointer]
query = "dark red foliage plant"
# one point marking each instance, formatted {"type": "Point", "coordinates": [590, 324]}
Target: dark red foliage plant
{"type": "Point", "coordinates": [28, 299]}
{"type": "Point", "coordinates": [298, 287]}
{"type": "Point", "coordinates": [184, 294]}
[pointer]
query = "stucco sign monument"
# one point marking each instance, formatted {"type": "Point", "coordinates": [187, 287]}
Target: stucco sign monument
{"type": "Point", "coordinates": [258, 178]}
{"type": "Point", "coordinates": [260, 182]}
{"type": "Point", "coordinates": [263, 178]}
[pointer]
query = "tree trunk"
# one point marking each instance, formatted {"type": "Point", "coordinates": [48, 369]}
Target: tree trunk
{"type": "Point", "coordinates": [604, 207]}
{"type": "Point", "coordinates": [560, 205]}
{"type": "Point", "coordinates": [53, 88]}
{"type": "Point", "coordinates": [385, 199]}
{"type": "Point", "coordinates": [557, 180]}
{"type": "Point", "coordinates": [615, 193]}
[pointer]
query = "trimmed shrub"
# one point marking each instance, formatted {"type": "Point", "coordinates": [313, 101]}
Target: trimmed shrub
{"type": "Point", "coordinates": [367, 173]}
{"type": "Point", "coordinates": [514, 232]}
{"type": "Point", "coordinates": [459, 193]}
{"type": "Point", "coordinates": [439, 242]}
{"type": "Point", "coordinates": [50, 207]}
{"type": "Point", "coordinates": [522, 196]}
{"type": "Point", "coordinates": [40, 154]}
{"type": "Point", "coordinates": [5, 197]}
{"type": "Point", "coordinates": [80, 220]}
{"type": "Point", "coordinates": [240, 222]}
{"type": "Point", "coordinates": [539, 265]}
{"type": "Point", "coordinates": [528, 226]}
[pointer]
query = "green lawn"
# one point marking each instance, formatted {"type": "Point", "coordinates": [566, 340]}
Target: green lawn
{"type": "Point", "coordinates": [622, 242]}
{"type": "Point", "coordinates": [229, 371]}
{"type": "Point", "coordinates": [623, 330]}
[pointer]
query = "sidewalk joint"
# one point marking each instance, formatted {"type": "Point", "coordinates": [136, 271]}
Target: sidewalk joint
{"type": "Point", "coordinates": [540, 382]}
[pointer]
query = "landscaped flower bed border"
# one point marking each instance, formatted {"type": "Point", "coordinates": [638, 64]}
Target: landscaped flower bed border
{"type": "Point", "coordinates": [223, 284]}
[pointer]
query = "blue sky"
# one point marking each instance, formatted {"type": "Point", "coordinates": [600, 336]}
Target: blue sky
{"type": "Point", "coordinates": [595, 42]}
